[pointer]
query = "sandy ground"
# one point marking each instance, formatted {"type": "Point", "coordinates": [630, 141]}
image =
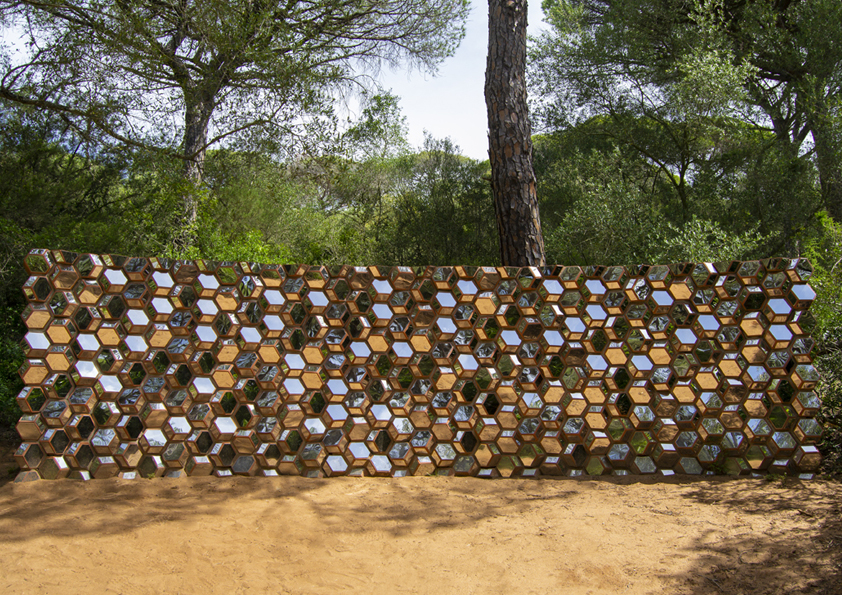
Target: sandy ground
{"type": "Point", "coordinates": [420, 535]}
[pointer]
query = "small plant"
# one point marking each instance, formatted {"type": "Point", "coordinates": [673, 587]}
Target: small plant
{"type": "Point", "coordinates": [829, 364]}
{"type": "Point", "coordinates": [718, 468]}
{"type": "Point", "coordinates": [11, 358]}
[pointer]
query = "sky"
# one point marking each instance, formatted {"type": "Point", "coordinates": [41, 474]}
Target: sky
{"type": "Point", "coordinates": [452, 104]}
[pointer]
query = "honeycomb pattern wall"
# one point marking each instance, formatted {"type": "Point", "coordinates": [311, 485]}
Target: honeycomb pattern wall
{"type": "Point", "coordinates": [143, 367]}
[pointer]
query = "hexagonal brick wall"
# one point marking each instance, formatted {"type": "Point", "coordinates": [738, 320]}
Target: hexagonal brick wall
{"type": "Point", "coordinates": [143, 367]}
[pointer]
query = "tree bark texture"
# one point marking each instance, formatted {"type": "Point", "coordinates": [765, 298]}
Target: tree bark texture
{"type": "Point", "coordinates": [829, 162]}
{"type": "Point", "coordinates": [196, 119]}
{"type": "Point", "coordinates": [509, 136]}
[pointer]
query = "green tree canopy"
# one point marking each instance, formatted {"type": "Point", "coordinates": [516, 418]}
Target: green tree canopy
{"type": "Point", "coordinates": [679, 63]}
{"type": "Point", "coordinates": [186, 74]}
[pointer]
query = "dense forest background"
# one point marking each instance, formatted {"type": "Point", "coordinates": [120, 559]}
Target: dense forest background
{"type": "Point", "coordinates": [712, 132]}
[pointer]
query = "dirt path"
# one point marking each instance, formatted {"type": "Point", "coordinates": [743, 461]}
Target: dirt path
{"type": "Point", "coordinates": [421, 535]}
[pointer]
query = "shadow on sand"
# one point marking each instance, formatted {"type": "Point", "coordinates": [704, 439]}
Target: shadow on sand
{"type": "Point", "coordinates": [68, 508]}
{"type": "Point", "coordinates": [795, 545]}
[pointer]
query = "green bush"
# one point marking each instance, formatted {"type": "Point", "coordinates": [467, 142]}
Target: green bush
{"type": "Point", "coordinates": [829, 364]}
{"type": "Point", "coordinates": [11, 358]}
{"type": "Point", "coordinates": [824, 248]}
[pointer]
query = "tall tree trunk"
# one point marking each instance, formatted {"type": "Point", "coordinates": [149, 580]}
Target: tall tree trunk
{"type": "Point", "coordinates": [196, 119]}
{"type": "Point", "coordinates": [829, 161]}
{"type": "Point", "coordinates": [509, 136]}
